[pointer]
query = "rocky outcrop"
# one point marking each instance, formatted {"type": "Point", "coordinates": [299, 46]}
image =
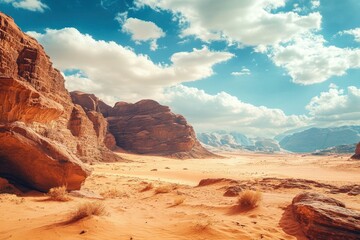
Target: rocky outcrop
{"type": "Point", "coordinates": [147, 127]}
{"type": "Point", "coordinates": [33, 95]}
{"type": "Point", "coordinates": [324, 218]}
{"type": "Point", "coordinates": [357, 152]}
{"type": "Point", "coordinates": [37, 162]}
{"type": "Point", "coordinates": [22, 102]}
{"type": "Point", "coordinates": [93, 108]}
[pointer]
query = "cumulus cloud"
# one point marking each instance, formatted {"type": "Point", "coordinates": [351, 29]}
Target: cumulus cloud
{"type": "Point", "coordinates": [243, 22]}
{"type": "Point", "coordinates": [226, 112]}
{"type": "Point", "coordinates": [244, 71]}
{"type": "Point", "coordinates": [140, 31]}
{"type": "Point", "coordinates": [109, 69]}
{"type": "Point", "coordinates": [308, 60]}
{"type": "Point", "coordinates": [354, 32]}
{"type": "Point", "coordinates": [336, 106]}
{"type": "Point", "coordinates": [315, 4]}
{"type": "Point", "coordinates": [31, 5]}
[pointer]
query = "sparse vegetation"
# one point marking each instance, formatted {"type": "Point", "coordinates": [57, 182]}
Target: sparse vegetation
{"type": "Point", "coordinates": [164, 189]}
{"type": "Point", "coordinates": [58, 194]}
{"type": "Point", "coordinates": [88, 209]}
{"type": "Point", "coordinates": [203, 225]}
{"type": "Point", "coordinates": [249, 199]}
{"type": "Point", "coordinates": [113, 193]}
{"type": "Point", "coordinates": [179, 200]}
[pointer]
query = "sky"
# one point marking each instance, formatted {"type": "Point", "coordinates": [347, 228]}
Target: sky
{"type": "Point", "coordinates": [255, 67]}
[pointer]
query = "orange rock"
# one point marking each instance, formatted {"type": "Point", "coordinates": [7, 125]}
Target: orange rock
{"type": "Point", "coordinates": [322, 217]}
{"type": "Point", "coordinates": [357, 152]}
{"type": "Point", "coordinates": [147, 127]}
{"type": "Point", "coordinates": [32, 92]}
{"type": "Point", "coordinates": [37, 162]}
{"type": "Point", "coordinates": [21, 102]}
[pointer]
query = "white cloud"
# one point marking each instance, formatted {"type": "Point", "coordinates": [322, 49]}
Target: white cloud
{"type": "Point", "coordinates": [354, 32]}
{"type": "Point", "coordinates": [116, 72]}
{"type": "Point", "coordinates": [141, 31]}
{"type": "Point", "coordinates": [336, 106]}
{"type": "Point", "coordinates": [245, 22]}
{"type": "Point", "coordinates": [308, 60]}
{"type": "Point", "coordinates": [243, 71]}
{"type": "Point", "coordinates": [225, 112]}
{"type": "Point", "coordinates": [315, 4]}
{"type": "Point", "coordinates": [31, 5]}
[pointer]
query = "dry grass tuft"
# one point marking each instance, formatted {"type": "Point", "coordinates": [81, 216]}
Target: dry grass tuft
{"type": "Point", "coordinates": [164, 189]}
{"type": "Point", "coordinates": [179, 200]}
{"type": "Point", "coordinates": [88, 209]}
{"type": "Point", "coordinates": [203, 225]}
{"type": "Point", "coordinates": [113, 193]}
{"type": "Point", "coordinates": [58, 194]}
{"type": "Point", "coordinates": [147, 187]}
{"type": "Point", "coordinates": [249, 199]}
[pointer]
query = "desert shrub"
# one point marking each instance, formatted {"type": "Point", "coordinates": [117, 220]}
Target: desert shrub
{"type": "Point", "coordinates": [88, 209]}
{"type": "Point", "coordinates": [249, 199]}
{"type": "Point", "coordinates": [58, 194]}
{"type": "Point", "coordinates": [179, 200]}
{"type": "Point", "coordinates": [113, 193]}
{"type": "Point", "coordinates": [164, 189]}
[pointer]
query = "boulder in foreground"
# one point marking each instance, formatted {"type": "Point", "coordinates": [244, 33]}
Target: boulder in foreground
{"type": "Point", "coordinates": [324, 218]}
{"type": "Point", "coordinates": [34, 161]}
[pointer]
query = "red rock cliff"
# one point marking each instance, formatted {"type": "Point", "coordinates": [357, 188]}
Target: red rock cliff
{"type": "Point", "coordinates": [36, 110]}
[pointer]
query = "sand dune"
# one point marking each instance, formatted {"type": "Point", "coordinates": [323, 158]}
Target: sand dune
{"type": "Point", "coordinates": [184, 210]}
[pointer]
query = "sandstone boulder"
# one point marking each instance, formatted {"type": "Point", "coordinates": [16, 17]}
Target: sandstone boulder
{"type": "Point", "coordinates": [357, 152]}
{"type": "Point", "coordinates": [324, 218]}
{"type": "Point", "coordinates": [37, 162]}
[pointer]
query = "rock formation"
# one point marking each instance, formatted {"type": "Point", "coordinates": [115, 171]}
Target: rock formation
{"type": "Point", "coordinates": [35, 161]}
{"type": "Point", "coordinates": [37, 116]}
{"type": "Point", "coordinates": [357, 152]}
{"type": "Point", "coordinates": [147, 127]}
{"type": "Point", "coordinates": [92, 106]}
{"type": "Point", "coordinates": [324, 218]}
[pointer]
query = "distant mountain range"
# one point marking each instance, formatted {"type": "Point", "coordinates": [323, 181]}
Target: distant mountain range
{"type": "Point", "coordinates": [230, 141]}
{"type": "Point", "coordinates": [313, 140]}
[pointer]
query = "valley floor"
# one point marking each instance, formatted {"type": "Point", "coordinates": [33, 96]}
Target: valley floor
{"type": "Point", "coordinates": [184, 210]}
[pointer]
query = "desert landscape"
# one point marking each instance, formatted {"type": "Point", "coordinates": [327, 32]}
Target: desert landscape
{"type": "Point", "coordinates": [157, 197]}
{"type": "Point", "coordinates": [77, 164]}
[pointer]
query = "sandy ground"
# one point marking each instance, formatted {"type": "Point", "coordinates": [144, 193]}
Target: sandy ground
{"type": "Point", "coordinates": [185, 211]}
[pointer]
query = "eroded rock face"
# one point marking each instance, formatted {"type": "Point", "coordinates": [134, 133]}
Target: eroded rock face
{"type": "Point", "coordinates": [91, 106]}
{"type": "Point", "coordinates": [21, 102]}
{"type": "Point", "coordinates": [37, 162]}
{"type": "Point", "coordinates": [357, 152]}
{"type": "Point", "coordinates": [32, 93]}
{"type": "Point", "coordinates": [147, 127]}
{"type": "Point", "coordinates": [324, 218]}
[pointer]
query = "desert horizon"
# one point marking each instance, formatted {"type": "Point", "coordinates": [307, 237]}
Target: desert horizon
{"type": "Point", "coordinates": [167, 119]}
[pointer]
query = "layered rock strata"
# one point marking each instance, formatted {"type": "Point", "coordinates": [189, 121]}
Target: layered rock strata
{"type": "Point", "coordinates": [324, 218]}
{"type": "Point", "coordinates": [37, 114]}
